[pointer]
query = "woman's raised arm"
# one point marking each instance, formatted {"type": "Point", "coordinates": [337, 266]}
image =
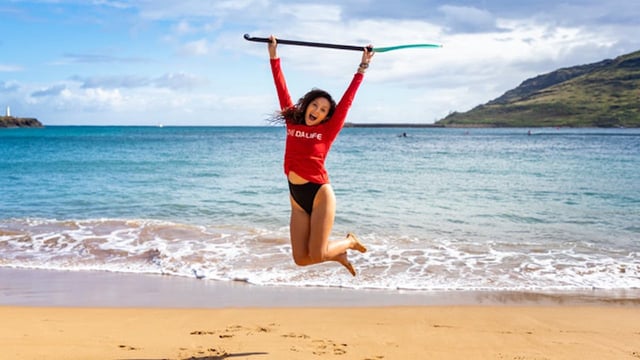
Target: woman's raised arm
{"type": "Point", "coordinates": [273, 44]}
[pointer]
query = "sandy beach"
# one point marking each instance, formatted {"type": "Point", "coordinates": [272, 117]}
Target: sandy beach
{"type": "Point", "coordinates": [103, 316]}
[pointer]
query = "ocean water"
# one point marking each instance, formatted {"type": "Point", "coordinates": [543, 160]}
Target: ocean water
{"type": "Point", "coordinates": [440, 209]}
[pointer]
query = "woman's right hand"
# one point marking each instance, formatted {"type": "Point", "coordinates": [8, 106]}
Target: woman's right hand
{"type": "Point", "coordinates": [273, 44]}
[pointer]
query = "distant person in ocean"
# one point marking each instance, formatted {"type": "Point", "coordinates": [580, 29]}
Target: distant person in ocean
{"type": "Point", "coordinates": [312, 125]}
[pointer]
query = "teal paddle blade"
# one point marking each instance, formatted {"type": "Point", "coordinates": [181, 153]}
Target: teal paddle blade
{"type": "Point", "coordinates": [390, 48]}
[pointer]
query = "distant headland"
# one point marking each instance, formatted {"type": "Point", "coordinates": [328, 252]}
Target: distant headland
{"type": "Point", "coordinates": [601, 94]}
{"type": "Point", "coordinates": [8, 121]}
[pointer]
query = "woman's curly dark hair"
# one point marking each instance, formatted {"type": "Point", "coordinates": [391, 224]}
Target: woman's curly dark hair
{"type": "Point", "coordinates": [295, 114]}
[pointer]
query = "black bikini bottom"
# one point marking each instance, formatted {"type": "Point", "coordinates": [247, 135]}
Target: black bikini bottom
{"type": "Point", "coordinates": [304, 194]}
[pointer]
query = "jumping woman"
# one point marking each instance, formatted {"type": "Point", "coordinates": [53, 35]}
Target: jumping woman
{"type": "Point", "coordinates": [313, 123]}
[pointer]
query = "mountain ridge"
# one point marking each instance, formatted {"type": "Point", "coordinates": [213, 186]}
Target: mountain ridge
{"type": "Point", "coordinates": [600, 94]}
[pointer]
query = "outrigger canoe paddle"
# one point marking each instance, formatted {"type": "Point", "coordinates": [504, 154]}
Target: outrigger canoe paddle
{"type": "Point", "coordinates": [338, 46]}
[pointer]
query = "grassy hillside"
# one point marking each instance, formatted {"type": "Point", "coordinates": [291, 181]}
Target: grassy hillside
{"type": "Point", "coordinates": [603, 94]}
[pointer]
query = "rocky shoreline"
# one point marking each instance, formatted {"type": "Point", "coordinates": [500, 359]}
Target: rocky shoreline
{"type": "Point", "coordinates": [11, 122]}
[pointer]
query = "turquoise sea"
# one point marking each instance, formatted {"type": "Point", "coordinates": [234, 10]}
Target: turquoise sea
{"type": "Point", "coordinates": [440, 209]}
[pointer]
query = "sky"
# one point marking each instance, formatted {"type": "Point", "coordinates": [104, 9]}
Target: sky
{"type": "Point", "coordinates": [151, 62]}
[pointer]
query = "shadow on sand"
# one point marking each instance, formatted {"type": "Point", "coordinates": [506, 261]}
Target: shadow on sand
{"type": "Point", "coordinates": [211, 357]}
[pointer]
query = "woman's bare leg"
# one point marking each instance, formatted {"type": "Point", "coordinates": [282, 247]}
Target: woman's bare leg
{"type": "Point", "coordinates": [299, 226]}
{"type": "Point", "coordinates": [310, 234]}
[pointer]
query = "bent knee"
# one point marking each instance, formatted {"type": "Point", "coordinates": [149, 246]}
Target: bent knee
{"type": "Point", "coordinates": [316, 256]}
{"type": "Point", "coordinates": [308, 259]}
{"type": "Point", "coordinates": [301, 259]}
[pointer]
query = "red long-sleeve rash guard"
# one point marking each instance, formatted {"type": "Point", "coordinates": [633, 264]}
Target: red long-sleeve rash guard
{"type": "Point", "coordinates": [307, 147]}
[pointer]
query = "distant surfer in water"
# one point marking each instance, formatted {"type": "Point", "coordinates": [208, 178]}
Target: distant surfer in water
{"type": "Point", "coordinates": [312, 125]}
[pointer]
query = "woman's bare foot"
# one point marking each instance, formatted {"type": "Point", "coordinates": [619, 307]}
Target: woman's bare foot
{"type": "Point", "coordinates": [355, 243]}
{"type": "Point", "coordinates": [342, 259]}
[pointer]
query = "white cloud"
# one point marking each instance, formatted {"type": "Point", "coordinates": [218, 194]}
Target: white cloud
{"type": "Point", "coordinates": [196, 47]}
{"type": "Point", "coordinates": [114, 4]}
{"type": "Point", "coordinates": [183, 27]}
{"type": "Point", "coordinates": [98, 99]}
{"type": "Point", "coordinates": [467, 19]}
{"type": "Point", "coordinates": [311, 12]}
{"type": "Point", "coordinates": [7, 87]}
{"type": "Point", "coordinates": [54, 90]}
{"type": "Point", "coordinates": [170, 9]}
{"type": "Point", "coordinates": [179, 81]}
{"type": "Point", "coordinates": [10, 68]}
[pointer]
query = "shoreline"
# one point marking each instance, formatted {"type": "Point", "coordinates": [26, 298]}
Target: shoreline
{"type": "Point", "coordinates": [51, 288]}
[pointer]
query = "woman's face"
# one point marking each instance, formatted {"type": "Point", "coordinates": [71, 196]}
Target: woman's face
{"type": "Point", "coordinates": [317, 111]}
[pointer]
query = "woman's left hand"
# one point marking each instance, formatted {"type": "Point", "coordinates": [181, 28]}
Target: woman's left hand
{"type": "Point", "coordinates": [366, 59]}
{"type": "Point", "coordinates": [367, 55]}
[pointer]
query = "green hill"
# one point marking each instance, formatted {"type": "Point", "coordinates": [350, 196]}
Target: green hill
{"type": "Point", "coordinates": [602, 94]}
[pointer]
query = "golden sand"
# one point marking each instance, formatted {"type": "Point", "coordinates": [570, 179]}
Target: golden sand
{"type": "Point", "coordinates": [425, 332]}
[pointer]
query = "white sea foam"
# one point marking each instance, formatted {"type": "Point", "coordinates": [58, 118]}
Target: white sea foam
{"type": "Point", "coordinates": [262, 257]}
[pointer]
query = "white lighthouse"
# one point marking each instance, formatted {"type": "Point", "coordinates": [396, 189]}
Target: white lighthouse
{"type": "Point", "coordinates": [8, 111]}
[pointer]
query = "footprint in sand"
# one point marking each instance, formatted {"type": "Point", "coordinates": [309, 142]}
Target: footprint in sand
{"type": "Point", "coordinates": [127, 347]}
{"type": "Point", "coordinates": [198, 332]}
{"type": "Point", "coordinates": [201, 353]}
{"type": "Point", "coordinates": [327, 346]}
{"type": "Point", "coordinates": [317, 347]}
{"type": "Point", "coordinates": [296, 336]}
{"type": "Point", "coordinates": [229, 331]}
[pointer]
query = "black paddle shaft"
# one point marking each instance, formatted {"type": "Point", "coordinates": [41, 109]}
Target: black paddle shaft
{"type": "Point", "coordinates": [307, 43]}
